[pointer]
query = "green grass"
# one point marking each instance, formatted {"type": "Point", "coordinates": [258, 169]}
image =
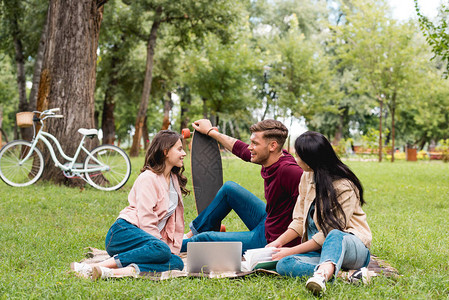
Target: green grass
{"type": "Point", "coordinates": [45, 227]}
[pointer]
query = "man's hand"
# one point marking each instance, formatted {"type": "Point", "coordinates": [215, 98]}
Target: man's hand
{"type": "Point", "coordinates": [203, 125]}
{"type": "Point", "coordinates": [275, 244]}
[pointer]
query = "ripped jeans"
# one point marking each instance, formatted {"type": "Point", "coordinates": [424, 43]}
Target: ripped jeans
{"type": "Point", "coordinates": [344, 250]}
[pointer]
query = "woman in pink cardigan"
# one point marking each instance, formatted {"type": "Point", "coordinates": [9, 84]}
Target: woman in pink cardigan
{"type": "Point", "coordinates": [148, 233]}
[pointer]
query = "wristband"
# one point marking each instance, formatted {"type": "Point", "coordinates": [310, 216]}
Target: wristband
{"type": "Point", "coordinates": [209, 130]}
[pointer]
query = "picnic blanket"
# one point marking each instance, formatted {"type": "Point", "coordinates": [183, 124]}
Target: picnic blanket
{"type": "Point", "coordinates": [376, 267]}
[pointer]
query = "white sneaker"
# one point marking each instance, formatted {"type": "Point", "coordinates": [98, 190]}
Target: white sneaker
{"type": "Point", "coordinates": [99, 272]}
{"type": "Point", "coordinates": [317, 283]}
{"type": "Point", "coordinates": [81, 268]}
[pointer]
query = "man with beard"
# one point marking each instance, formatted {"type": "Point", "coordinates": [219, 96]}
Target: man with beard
{"type": "Point", "coordinates": [281, 174]}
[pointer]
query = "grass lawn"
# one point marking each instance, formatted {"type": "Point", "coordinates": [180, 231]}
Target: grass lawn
{"type": "Point", "coordinates": [45, 227]}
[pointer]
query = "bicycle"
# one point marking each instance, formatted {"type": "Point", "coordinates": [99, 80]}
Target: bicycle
{"type": "Point", "coordinates": [106, 167]}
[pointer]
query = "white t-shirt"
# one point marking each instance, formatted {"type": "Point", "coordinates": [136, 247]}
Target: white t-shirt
{"type": "Point", "coordinates": [173, 203]}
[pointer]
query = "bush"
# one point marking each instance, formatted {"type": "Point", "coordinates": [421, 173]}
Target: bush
{"type": "Point", "coordinates": [443, 147]}
{"type": "Point", "coordinates": [340, 148]}
{"type": "Point", "coordinates": [422, 155]}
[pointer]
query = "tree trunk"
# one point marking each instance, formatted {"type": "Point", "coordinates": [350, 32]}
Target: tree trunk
{"type": "Point", "coordinates": [1, 129]}
{"type": "Point", "coordinates": [393, 112]}
{"type": "Point", "coordinates": [237, 131]}
{"type": "Point", "coordinates": [68, 75]}
{"type": "Point", "coordinates": [341, 124]}
{"type": "Point", "coordinates": [108, 120]}
{"type": "Point", "coordinates": [231, 128]}
{"type": "Point", "coordinates": [167, 108]}
{"type": "Point", "coordinates": [267, 108]}
{"type": "Point", "coordinates": [146, 85]}
{"type": "Point", "coordinates": [204, 107]}
{"type": "Point", "coordinates": [32, 100]}
{"type": "Point", "coordinates": [2, 132]}
{"type": "Point", "coordinates": [20, 63]}
{"type": "Point", "coordinates": [26, 133]}
{"type": "Point", "coordinates": [224, 126]}
{"type": "Point", "coordinates": [145, 135]}
{"type": "Point", "coordinates": [185, 103]}
{"type": "Point", "coordinates": [338, 132]}
{"type": "Point", "coordinates": [380, 127]}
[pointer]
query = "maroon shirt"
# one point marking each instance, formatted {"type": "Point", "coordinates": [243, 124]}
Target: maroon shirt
{"type": "Point", "coordinates": [281, 181]}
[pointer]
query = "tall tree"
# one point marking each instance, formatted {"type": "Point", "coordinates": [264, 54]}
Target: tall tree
{"type": "Point", "coordinates": [345, 106]}
{"type": "Point", "coordinates": [275, 21]}
{"type": "Point", "coordinates": [116, 81]}
{"type": "Point", "coordinates": [189, 18]}
{"type": "Point", "coordinates": [384, 56]}
{"type": "Point", "coordinates": [299, 73]}
{"type": "Point", "coordinates": [166, 75]}
{"type": "Point", "coordinates": [8, 98]}
{"type": "Point", "coordinates": [17, 18]}
{"type": "Point", "coordinates": [222, 76]}
{"type": "Point", "coordinates": [68, 72]}
{"type": "Point", "coordinates": [424, 117]}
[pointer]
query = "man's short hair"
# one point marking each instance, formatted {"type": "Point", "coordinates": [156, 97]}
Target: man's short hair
{"type": "Point", "coordinates": [272, 130]}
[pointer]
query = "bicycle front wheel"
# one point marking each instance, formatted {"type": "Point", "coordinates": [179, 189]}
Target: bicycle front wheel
{"type": "Point", "coordinates": [16, 172]}
{"type": "Point", "coordinates": [118, 163]}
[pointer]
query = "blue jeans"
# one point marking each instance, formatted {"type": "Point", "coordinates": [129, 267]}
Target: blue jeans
{"type": "Point", "coordinates": [248, 207]}
{"type": "Point", "coordinates": [130, 245]}
{"type": "Point", "coordinates": [343, 249]}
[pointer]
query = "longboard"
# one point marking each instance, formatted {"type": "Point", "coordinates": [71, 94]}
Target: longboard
{"type": "Point", "coordinates": [207, 168]}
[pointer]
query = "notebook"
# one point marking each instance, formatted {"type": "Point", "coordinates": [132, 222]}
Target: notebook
{"type": "Point", "coordinates": [206, 257]}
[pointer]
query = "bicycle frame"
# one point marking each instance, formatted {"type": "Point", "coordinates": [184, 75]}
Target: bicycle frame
{"type": "Point", "coordinates": [42, 135]}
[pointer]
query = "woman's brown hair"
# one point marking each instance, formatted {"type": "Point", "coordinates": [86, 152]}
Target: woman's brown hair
{"type": "Point", "coordinates": [156, 153]}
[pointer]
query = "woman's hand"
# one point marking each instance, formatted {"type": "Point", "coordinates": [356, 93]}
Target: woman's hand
{"type": "Point", "coordinates": [282, 252]}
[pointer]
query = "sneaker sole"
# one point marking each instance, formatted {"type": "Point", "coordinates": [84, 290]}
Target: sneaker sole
{"type": "Point", "coordinates": [96, 273]}
{"type": "Point", "coordinates": [314, 287]}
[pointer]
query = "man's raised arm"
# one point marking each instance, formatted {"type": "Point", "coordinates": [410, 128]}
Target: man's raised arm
{"type": "Point", "coordinates": [205, 126]}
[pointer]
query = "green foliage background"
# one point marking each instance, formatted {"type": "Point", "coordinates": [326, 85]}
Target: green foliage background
{"type": "Point", "coordinates": [323, 63]}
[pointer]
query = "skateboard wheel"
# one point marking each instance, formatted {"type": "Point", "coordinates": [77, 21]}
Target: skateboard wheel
{"type": "Point", "coordinates": [222, 228]}
{"type": "Point", "coordinates": [185, 133]}
{"type": "Point", "coordinates": [215, 128]}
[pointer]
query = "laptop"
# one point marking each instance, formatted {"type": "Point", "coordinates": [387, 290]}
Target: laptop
{"type": "Point", "coordinates": [206, 257]}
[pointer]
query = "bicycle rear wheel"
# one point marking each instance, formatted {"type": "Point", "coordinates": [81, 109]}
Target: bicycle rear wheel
{"type": "Point", "coordinates": [17, 174]}
{"type": "Point", "coordinates": [118, 163]}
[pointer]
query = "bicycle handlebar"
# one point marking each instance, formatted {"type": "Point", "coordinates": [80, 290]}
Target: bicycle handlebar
{"type": "Point", "coordinates": [49, 112]}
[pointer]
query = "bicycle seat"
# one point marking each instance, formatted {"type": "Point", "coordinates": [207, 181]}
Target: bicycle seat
{"type": "Point", "coordinates": [88, 132]}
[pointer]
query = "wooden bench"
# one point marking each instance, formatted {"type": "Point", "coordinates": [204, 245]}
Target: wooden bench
{"type": "Point", "coordinates": [435, 155]}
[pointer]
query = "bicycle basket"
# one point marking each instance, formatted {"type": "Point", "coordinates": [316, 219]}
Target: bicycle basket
{"type": "Point", "coordinates": [24, 119]}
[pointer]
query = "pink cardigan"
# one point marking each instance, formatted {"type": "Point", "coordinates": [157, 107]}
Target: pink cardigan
{"type": "Point", "coordinates": [148, 204]}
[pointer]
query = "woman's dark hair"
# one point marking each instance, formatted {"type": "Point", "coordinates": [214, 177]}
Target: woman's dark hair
{"type": "Point", "coordinates": [156, 153]}
{"type": "Point", "coordinates": [315, 150]}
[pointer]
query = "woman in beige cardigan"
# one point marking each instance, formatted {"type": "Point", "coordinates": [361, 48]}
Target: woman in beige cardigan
{"type": "Point", "coordinates": [327, 216]}
{"type": "Point", "coordinates": [148, 233]}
